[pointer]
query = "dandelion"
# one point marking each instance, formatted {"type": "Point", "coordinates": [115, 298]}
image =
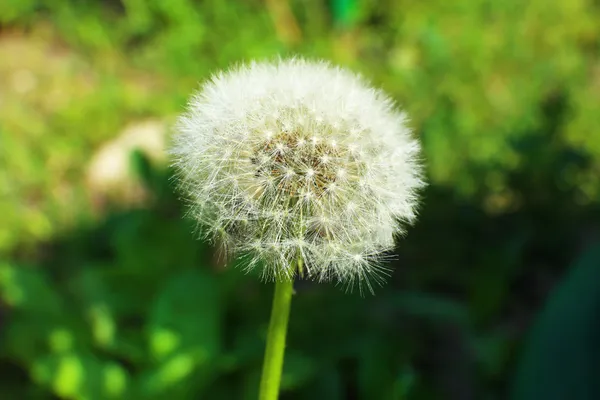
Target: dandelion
{"type": "Point", "coordinates": [298, 159]}
{"type": "Point", "coordinates": [300, 168]}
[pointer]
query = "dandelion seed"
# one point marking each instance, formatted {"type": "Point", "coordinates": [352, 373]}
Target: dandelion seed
{"type": "Point", "coordinates": [297, 159]}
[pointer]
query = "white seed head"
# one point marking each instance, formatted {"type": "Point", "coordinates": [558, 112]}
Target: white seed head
{"type": "Point", "coordinates": [297, 159]}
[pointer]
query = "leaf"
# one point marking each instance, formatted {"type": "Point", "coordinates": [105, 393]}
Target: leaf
{"type": "Point", "coordinates": [27, 289]}
{"type": "Point", "coordinates": [189, 307]}
{"type": "Point", "coordinates": [562, 357]}
{"type": "Point", "coordinates": [297, 370]}
{"type": "Point", "coordinates": [184, 331]}
{"type": "Point", "coordinates": [173, 372]}
{"type": "Point", "coordinates": [36, 313]}
{"type": "Point", "coordinates": [344, 12]}
{"type": "Point", "coordinates": [79, 375]}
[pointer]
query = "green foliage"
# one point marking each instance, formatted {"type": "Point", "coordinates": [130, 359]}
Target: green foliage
{"type": "Point", "coordinates": [551, 370]}
{"type": "Point", "coordinates": [106, 296]}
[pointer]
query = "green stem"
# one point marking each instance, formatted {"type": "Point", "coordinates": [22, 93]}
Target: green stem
{"type": "Point", "coordinates": [273, 363]}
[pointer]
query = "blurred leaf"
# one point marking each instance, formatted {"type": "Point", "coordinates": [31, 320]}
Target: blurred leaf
{"type": "Point", "coordinates": [404, 383]}
{"type": "Point", "coordinates": [163, 342]}
{"type": "Point", "coordinates": [173, 372]}
{"type": "Point", "coordinates": [562, 357]}
{"type": "Point", "coordinates": [491, 352]}
{"type": "Point", "coordinates": [189, 307]}
{"type": "Point", "coordinates": [297, 370]}
{"type": "Point", "coordinates": [27, 289]}
{"type": "Point", "coordinates": [13, 10]}
{"type": "Point", "coordinates": [80, 376]}
{"type": "Point", "coordinates": [140, 163]}
{"type": "Point", "coordinates": [184, 330]}
{"type": "Point", "coordinates": [61, 340]}
{"type": "Point", "coordinates": [378, 374]}
{"type": "Point", "coordinates": [102, 324]}
{"type": "Point", "coordinates": [344, 11]}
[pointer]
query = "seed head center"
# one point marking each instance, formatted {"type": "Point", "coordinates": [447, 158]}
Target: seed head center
{"type": "Point", "coordinates": [296, 163]}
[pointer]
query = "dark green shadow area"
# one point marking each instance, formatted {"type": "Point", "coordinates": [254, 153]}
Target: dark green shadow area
{"type": "Point", "coordinates": [135, 307]}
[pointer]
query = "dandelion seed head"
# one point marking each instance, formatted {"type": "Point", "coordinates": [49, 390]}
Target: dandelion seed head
{"type": "Point", "coordinates": [297, 159]}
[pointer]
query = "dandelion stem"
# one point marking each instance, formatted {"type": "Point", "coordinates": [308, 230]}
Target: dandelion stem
{"type": "Point", "coordinates": [273, 362]}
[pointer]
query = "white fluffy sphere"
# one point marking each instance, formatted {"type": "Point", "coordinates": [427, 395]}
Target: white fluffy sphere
{"type": "Point", "coordinates": [298, 160]}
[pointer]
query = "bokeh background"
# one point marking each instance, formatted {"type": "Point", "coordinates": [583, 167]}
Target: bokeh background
{"type": "Point", "coordinates": [106, 294]}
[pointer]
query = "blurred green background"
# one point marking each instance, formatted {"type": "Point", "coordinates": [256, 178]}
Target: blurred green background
{"type": "Point", "coordinates": [105, 293]}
